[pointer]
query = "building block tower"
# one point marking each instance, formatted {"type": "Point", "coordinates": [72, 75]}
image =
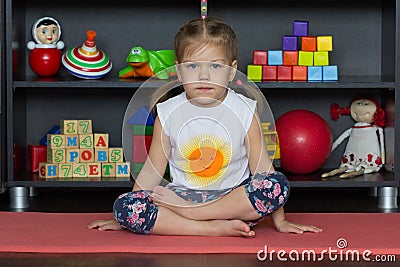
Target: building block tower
{"type": "Point", "coordinates": [303, 57]}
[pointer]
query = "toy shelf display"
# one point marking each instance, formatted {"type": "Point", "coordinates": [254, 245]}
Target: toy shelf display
{"type": "Point", "coordinates": [302, 58]}
{"type": "Point", "coordinates": [78, 152]}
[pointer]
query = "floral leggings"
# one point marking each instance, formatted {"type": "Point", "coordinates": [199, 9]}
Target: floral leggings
{"type": "Point", "coordinates": [267, 192]}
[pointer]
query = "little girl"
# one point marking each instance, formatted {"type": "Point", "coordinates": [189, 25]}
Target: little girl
{"type": "Point", "coordinates": [223, 182]}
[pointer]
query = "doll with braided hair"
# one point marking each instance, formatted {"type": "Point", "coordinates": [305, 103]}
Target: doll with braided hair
{"type": "Point", "coordinates": [365, 152]}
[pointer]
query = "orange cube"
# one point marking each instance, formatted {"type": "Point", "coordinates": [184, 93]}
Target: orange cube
{"type": "Point", "coordinates": [299, 73]}
{"type": "Point", "coordinates": [309, 43]}
{"type": "Point", "coordinates": [290, 58]}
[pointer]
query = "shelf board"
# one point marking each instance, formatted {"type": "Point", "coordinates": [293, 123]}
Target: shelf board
{"type": "Point", "coordinates": [364, 82]}
{"type": "Point", "coordinates": [379, 179]}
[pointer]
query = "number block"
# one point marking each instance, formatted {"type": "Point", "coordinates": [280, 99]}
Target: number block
{"type": "Point", "coordinates": [108, 169]}
{"type": "Point", "coordinates": [86, 141]}
{"type": "Point", "coordinates": [64, 170]}
{"type": "Point", "coordinates": [72, 155]}
{"type": "Point", "coordinates": [115, 154]}
{"type": "Point", "coordinates": [79, 170]}
{"type": "Point", "coordinates": [48, 170]}
{"type": "Point", "coordinates": [94, 169]}
{"type": "Point", "coordinates": [55, 141]}
{"type": "Point", "coordinates": [56, 155]}
{"type": "Point", "coordinates": [101, 154]}
{"type": "Point", "coordinates": [254, 72]}
{"type": "Point", "coordinates": [321, 58]}
{"type": "Point", "coordinates": [100, 140]}
{"type": "Point", "coordinates": [122, 169]}
{"type": "Point", "coordinates": [86, 155]}
{"type": "Point", "coordinates": [84, 126]}
{"type": "Point", "coordinates": [69, 126]}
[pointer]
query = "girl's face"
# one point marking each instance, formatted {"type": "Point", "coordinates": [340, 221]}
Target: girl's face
{"type": "Point", "coordinates": [47, 34]}
{"type": "Point", "coordinates": [363, 110]}
{"type": "Point", "coordinates": [205, 75]}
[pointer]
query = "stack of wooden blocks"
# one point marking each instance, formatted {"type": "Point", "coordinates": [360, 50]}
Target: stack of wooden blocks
{"type": "Point", "coordinates": [309, 63]}
{"type": "Point", "coordinates": [78, 152]}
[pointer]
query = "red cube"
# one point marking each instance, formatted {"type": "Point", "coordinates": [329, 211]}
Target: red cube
{"type": "Point", "coordinates": [284, 73]}
{"type": "Point", "coordinates": [36, 154]}
{"type": "Point", "coordinates": [269, 73]}
{"type": "Point", "coordinates": [260, 57]}
{"type": "Point", "coordinates": [140, 147]}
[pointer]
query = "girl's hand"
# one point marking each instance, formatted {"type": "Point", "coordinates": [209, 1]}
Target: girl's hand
{"type": "Point", "coordinates": [103, 225]}
{"type": "Point", "coordinates": [291, 227]}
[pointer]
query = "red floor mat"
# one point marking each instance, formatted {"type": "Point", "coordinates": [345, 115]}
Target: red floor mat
{"type": "Point", "coordinates": [67, 233]}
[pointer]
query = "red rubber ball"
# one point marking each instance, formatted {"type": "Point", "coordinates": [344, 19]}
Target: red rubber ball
{"type": "Point", "coordinates": [305, 141]}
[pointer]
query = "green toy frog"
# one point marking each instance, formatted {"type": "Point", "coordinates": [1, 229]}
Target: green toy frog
{"type": "Point", "coordinates": [144, 63]}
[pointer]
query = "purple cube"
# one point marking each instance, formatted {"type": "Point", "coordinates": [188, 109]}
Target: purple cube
{"type": "Point", "coordinates": [300, 28]}
{"type": "Point", "coordinates": [289, 43]}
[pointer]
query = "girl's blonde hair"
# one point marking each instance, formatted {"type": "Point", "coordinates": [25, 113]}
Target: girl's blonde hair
{"type": "Point", "coordinates": [196, 34]}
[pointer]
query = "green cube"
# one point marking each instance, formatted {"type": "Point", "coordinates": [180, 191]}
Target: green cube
{"type": "Point", "coordinates": [306, 58]}
{"type": "Point", "coordinates": [254, 72]}
{"type": "Point", "coordinates": [321, 58]}
{"type": "Point", "coordinates": [142, 129]}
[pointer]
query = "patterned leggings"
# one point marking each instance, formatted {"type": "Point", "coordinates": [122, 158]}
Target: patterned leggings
{"type": "Point", "coordinates": [136, 211]}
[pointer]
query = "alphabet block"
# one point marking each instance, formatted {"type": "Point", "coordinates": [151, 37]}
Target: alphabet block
{"type": "Point", "coordinates": [100, 140]}
{"type": "Point", "coordinates": [115, 154]}
{"type": "Point", "coordinates": [48, 170]}
{"type": "Point", "coordinates": [108, 169]}
{"type": "Point", "coordinates": [72, 155]}
{"type": "Point", "coordinates": [86, 155]}
{"type": "Point", "coordinates": [69, 126]}
{"type": "Point", "coordinates": [94, 169]}
{"type": "Point", "coordinates": [86, 141]}
{"type": "Point", "coordinates": [71, 141]}
{"type": "Point", "coordinates": [84, 126]}
{"type": "Point", "coordinates": [55, 141]}
{"type": "Point", "coordinates": [101, 154]}
{"type": "Point", "coordinates": [122, 169]}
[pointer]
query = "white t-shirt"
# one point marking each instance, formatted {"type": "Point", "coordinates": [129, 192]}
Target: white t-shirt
{"type": "Point", "coordinates": [207, 144]}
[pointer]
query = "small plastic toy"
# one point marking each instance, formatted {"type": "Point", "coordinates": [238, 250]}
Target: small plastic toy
{"type": "Point", "coordinates": [87, 61]}
{"type": "Point", "coordinates": [45, 56]}
{"type": "Point", "coordinates": [365, 151]}
{"type": "Point", "coordinates": [144, 63]}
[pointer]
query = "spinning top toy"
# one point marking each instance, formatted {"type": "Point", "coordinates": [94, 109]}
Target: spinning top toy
{"type": "Point", "coordinates": [87, 61]}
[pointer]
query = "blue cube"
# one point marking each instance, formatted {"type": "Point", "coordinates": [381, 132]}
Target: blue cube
{"type": "Point", "coordinates": [275, 57]}
{"type": "Point", "coordinates": [315, 73]}
{"type": "Point", "coordinates": [289, 43]}
{"type": "Point", "coordinates": [330, 73]}
{"type": "Point", "coordinates": [300, 28]}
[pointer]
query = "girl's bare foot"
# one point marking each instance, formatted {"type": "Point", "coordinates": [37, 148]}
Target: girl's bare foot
{"type": "Point", "coordinates": [228, 228]}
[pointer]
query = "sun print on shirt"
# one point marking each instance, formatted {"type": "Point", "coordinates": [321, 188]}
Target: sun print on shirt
{"type": "Point", "coordinates": [206, 159]}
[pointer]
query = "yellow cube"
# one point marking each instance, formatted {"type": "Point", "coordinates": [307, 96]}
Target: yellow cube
{"type": "Point", "coordinates": [254, 72]}
{"type": "Point", "coordinates": [321, 58]}
{"type": "Point", "coordinates": [324, 43]}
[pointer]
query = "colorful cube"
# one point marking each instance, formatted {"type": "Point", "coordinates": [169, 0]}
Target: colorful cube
{"type": "Point", "coordinates": [290, 58]}
{"type": "Point", "coordinates": [300, 28]}
{"type": "Point", "coordinates": [324, 43]}
{"type": "Point", "coordinates": [36, 154]}
{"type": "Point", "coordinates": [314, 73]}
{"type": "Point", "coordinates": [330, 73]}
{"type": "Point", "coordinates": [141, 146]}
{"type": "Point", "coordinates": [54, 130]}
{"type": "Point", "coordinates": [86, 155]}
{"type": "Point", "coordinates": [284, 73]}
{"type": "Point", "coordinates": [299, 73]}
{"type": "Point", "coordinates": [101, 154]}
{"type": "Point", "coordinates": [321, 58]}
{"type": "Point", "coordinates": [142, 129]}
{"type": "Point", "coordinates": [269, 73]}
{"type": "Point", "coordinates": [254, 72]}
{"type": "Point", "coordinates": [100, 140]}
{"type": "Point", "coordinates": [141, 117]}
{"type": "Point", "coordinates": [94, 169]}
{"type": "Point", "coordinates": [275, 57]}
{"type": "Point", "coordinates": [309, 43]}
{"type": "Point", "coordinates": [306, 58]}
{"type": "Point", "coordinates": [260, 57]}
{"type": "Point", "coordinates": [289, 43]}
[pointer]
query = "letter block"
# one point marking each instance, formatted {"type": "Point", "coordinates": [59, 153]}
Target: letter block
{"type": "Point", "coordinates": [64, 170]}
{"type": "Point", "coordinates": [55, 141]}
{"type": "Point", "coordinates": [86, 155]}
{"type": "Point", "coordinates": [84, 126]}
{"type": "Point", "coordinates": [72, 155]}
{"type": "Point", "coordinates": [108, 169]}
{"type": "Point", "coordinates": [100, 140]}
{"type": "Point", "coordinates": [69, 126]}
{"type": "Point", "coordinates": [48, 170]}
{"type": "Point", "coordinates": [71, 141]}
{"type": "Point", "coordinates": [101, 154]}
{"type": "Point", "coordinates": [122, 169]}
{"type": "Point", "coordinates": [86, 141]}
{"type": "Point", "coordinates": [115, 154]}
{"type": "Point", "coordinates": [94, 169]}
{"type": "Point", "coordinates": [254, 72]}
